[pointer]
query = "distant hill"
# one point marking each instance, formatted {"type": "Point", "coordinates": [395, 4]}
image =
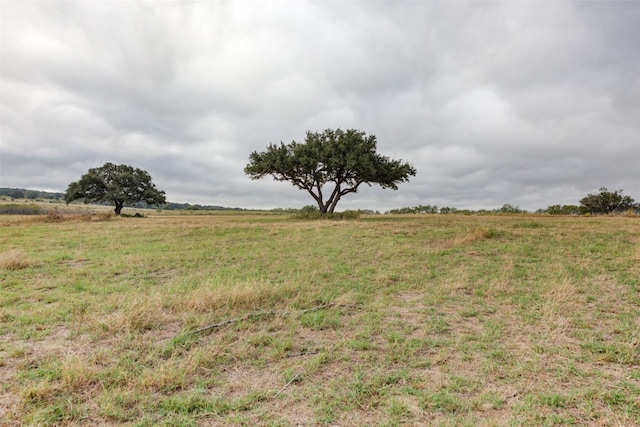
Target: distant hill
{"type": "Point", "coordinates": [21, 193]}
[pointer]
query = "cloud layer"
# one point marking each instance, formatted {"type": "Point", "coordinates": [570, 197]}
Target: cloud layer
{"type": "Point", "coordinates": [524, 103]}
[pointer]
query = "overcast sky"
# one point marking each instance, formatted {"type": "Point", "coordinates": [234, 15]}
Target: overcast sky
{"type": "Point", "coordinates": [530, 103]}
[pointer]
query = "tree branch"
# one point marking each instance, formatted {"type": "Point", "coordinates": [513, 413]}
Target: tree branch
{"type": "Point", "coordinates": [290, 382]}
{"type": "Point", "coordinates": [255, 316]}
{"type": "Point", "coordinates": [353, 189]}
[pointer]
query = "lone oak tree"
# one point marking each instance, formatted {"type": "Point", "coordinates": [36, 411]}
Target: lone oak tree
{"type": "Point", "coordinates": [118, 184]}
{"type": "Point", "coordinates": [342, 159]}
{"type": "Point", "coordinates": [606, 202]}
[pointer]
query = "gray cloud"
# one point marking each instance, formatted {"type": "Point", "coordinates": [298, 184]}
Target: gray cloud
{"type": "Point", "coordinates": [493, 102]}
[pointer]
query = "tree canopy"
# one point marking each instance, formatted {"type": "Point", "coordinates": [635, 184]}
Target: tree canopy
{"type": "Point", "coordinates": [329, 165]}
{"type": "Point", "coordinates": [118, 184]}
{"type": "Point", "coordinates": [606, 202]}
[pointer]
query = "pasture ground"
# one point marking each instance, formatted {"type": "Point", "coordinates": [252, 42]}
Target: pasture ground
{"type": "Point", "coordinates": [207, 320]}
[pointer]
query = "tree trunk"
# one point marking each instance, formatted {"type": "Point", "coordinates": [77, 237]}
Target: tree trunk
{"type": "Point", "coordinates": [119, 206]}
{"type": "Point", "coordinates": [334, 204]}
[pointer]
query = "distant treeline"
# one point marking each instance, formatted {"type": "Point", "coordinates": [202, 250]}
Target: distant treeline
{"type": "Point", "coordinates": [170, 206]}
{"type": "Point", "coordinates": [432, 209]}
{"type": "Point", "coordinates": [21, 193]}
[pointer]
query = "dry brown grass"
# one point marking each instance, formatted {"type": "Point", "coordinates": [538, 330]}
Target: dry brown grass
{"type": "Point", "coordinates": [246, 296]}
{"type": "Point", "coordinates": [85, 216]}
{"type": "Point", "coordinates": [55, 216]}
{"type": "Point", "coordinates": [15, 259]}
{"type": "Point", "coordinates": [134, 315]}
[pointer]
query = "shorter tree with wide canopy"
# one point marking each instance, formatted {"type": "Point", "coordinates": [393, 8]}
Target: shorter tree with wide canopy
{"type": "Point", "coordinates": [329, 165]}
{"type": "Point", "coordinates": [118, 184]}
{"type": "Point", "coordinates": [606, 202]}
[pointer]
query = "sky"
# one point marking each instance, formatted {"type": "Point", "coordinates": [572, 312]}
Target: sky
{"type": "Point", "coordinates": [528, 103]}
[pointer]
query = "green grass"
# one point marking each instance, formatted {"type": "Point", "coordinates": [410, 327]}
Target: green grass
{"type": "Point", "coordinates": [387, 320]}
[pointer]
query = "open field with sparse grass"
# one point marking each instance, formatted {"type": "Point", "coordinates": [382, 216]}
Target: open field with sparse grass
{"type": "Point", "coordinates": [207, 320]}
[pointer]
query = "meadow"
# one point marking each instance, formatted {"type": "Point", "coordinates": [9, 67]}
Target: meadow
{"type": "Point", "coordinates": [228, 319]}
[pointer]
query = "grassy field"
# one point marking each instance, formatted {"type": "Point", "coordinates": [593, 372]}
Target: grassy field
{"type": "Point", "coordinates": [209, 320]}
